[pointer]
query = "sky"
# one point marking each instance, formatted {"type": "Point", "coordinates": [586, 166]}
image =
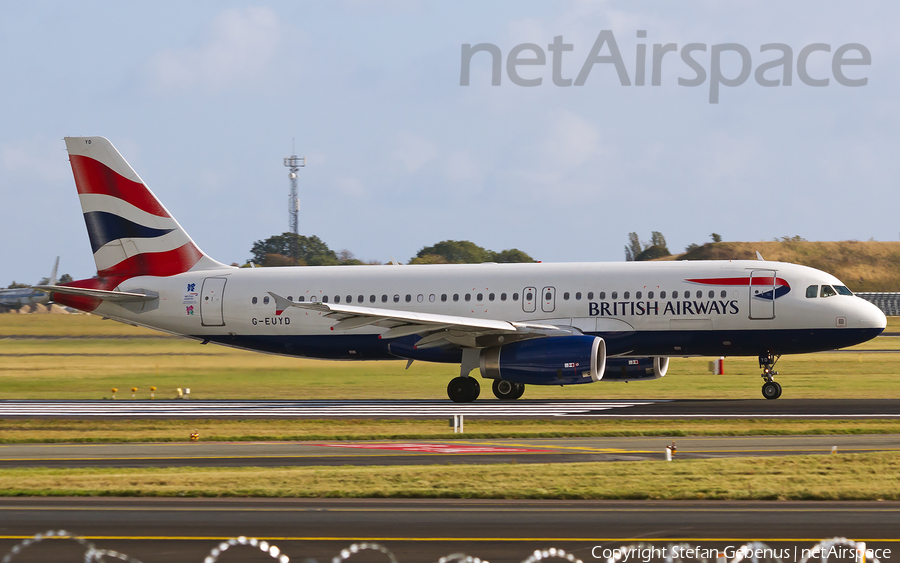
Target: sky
{"type": "Point", "coordinates": [205, 99]}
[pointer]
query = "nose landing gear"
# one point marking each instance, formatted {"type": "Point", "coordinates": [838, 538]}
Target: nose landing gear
{"type": "Point", "coordinates": [770, 389]}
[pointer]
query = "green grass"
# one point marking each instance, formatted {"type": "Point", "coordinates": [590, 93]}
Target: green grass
{"type": "Point", "coordinates": [874, 476]}
{"type": "Point", "coordinates": [64, 430]}
{"type": "Point", "coordinates": [122, 357]}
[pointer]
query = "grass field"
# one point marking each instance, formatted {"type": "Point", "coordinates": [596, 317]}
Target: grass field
{"type": "Point", "coordinates": [83, 357]}
{"type": "Point", "coordinates": [874, 476]}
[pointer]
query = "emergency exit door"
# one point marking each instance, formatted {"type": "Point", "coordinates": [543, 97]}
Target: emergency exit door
{"type": "Point", "coordinates": [212, 302]}
{"type": "Point", "coordinates": [762, 294]}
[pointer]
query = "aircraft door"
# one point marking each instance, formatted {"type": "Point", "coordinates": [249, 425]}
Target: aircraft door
{"type": "Point", "coordinates": [529, 299]}
{"type": "Point", "coordinates": [212, 302]}
{"type": "Point", "coordinates": [762, 294]}
{"type": "Point", "coordinates": [548, 299]}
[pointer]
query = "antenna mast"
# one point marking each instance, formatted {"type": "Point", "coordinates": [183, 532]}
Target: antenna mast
{"type": "Point", "coordinates": [294, 163]}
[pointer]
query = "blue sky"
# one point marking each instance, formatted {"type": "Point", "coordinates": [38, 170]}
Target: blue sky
{"type": "Point", "coordinates": [204, 99]}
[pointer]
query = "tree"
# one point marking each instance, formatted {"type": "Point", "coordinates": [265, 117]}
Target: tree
{"type": "Point", "coordinates": [636, 251]}
{"type": "Point", "coordinates": [633, 248]}
{"type": "Point", "coordinates": [288, 249]}
{"type": "Point", "coordinates": [65, 278]}
{"type": "Point", "coordinates": [15, 285]}
{"type": "Point", "coordinates": [716, 237]}
{"type": "Point", "coordinates": [466, 252]}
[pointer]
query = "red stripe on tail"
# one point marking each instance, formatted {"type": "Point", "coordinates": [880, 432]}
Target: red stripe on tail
{"type": "Point", "coordinates": [93, 177]}
{"type": "Point", "coordinates": [167, 263]}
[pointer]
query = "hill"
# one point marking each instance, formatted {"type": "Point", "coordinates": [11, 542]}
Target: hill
{"type": "Point", "coordinates": [862, 266]}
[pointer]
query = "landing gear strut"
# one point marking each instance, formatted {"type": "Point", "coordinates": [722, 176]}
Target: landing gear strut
{"type": "Point", "coordinates": [507, 390]}
{"type": "Point", "coordinates": [770, 389]}
{"type": "Point", "coordinates": [463, 389]}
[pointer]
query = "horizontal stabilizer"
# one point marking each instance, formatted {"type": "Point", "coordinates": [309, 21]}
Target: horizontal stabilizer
{"type": "Point", "coordinates": [115, 296]}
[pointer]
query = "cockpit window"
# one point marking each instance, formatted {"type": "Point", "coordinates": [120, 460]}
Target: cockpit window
{"type": "Point", "coordinates": [827, 291]}
{"type": "Point", "coordinates": [812, 291]}
{"type": "Point", "coordinates": [843, 290]}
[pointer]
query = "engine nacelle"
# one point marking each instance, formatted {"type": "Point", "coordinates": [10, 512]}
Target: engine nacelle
{"type": "Point", "coordinates": [559, 360]}
{"type": "Point", "coordinates": [635, 369]}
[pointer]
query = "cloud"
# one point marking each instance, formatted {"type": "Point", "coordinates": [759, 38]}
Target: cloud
{"type": "Point", "coordinates": [414, 152]}
{"type": "Point", "coordinates": [238, 47]}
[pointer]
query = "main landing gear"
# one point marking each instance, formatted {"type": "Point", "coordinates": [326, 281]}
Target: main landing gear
{"type": "Point", "coordinates": [770, 389]}
{"type": "Point", "coordinates": [463, 389]}
{"type": "Point", "coordinates": [507, 390]}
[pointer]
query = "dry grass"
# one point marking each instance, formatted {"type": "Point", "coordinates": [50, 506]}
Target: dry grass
{"type": "Point", "coordinates": [862, 266]}
{"type": "Point", "coordinates": [873, 476]}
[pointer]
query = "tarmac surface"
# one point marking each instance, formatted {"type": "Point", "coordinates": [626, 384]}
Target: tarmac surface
{"type": "Point", "coordinates": [186, 530]}
{"type": "Point", "coordinates": [485, 408]}
{"type": "Point", "coordinates": [424, 452]}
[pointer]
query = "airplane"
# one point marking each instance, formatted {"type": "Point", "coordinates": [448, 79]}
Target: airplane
{"type": "Point", "coordinates": [517, 324]}
{"type": "Point", "coordinates": [19, 297]}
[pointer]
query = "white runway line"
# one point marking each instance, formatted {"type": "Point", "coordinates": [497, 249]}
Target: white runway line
{"type": "Point", "coordinates": [384, 409]}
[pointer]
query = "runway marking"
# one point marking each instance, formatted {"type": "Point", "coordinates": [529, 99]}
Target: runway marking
{"type": "Point", "coordinates": [321, 409]}
{"type": "Point", "coordinates": [434, 448]}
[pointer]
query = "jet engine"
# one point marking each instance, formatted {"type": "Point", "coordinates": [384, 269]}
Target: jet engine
{"type": "Point", "coordinates": [636, 369]}
{"type": "Point", "coordinates": [559, 360]}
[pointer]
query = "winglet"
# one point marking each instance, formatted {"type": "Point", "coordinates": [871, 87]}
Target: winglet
{"type": "Point", "coordinates": [759, 256]}
{"type": "Point", "coordinates": [280, 303]}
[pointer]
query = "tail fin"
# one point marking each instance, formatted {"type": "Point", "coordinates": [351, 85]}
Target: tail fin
{"type": "Point", "coordinates": [131, 233]}
{"type": "Point", "coordinates": [52, 279]}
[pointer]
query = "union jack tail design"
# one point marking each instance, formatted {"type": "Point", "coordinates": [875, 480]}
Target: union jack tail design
{"type": "Point", "coordinates": [131, 233]}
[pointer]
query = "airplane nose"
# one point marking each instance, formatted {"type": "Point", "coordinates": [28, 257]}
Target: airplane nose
{"type": "Point", "coordinates": [871, 316]}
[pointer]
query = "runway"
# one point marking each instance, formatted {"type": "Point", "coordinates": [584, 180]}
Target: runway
{"type": "Point", "coordinates": [424, 452]}
{"type": "Point", "coordinates": [185, 530]}
{"type": "Point", "coordinates": [484, 408]}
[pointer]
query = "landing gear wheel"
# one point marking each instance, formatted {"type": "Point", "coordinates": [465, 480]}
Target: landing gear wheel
{"type": "Point", "coordinates": [771, 390]}
{"type": "Point", "coordinates": [463, 389]}
{"type": "Point", "coordinates": [507, 390]}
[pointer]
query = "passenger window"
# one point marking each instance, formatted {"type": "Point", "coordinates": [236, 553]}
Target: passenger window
{"type": "Point", "coordinates": [712, 294]}
{"type": "Point", "coordinates": [662, 294]}
{"type": "Point", "coordinates": [565, 296]}
{"type": "Point", "coordinates": [675, 294]}
{"type": "Point", "coordinates": [312, 299]}
{"type": "Point", "coordinates": [371, 299]}
{"type": "Point", "coordinates": [290, 298]}
{"type": "Point", "coordinates": [502, 297]}
{"type": "Point", "coordinates": [590, 295]}
{"type": "Point", "coordinates": [408, 298]}
{"type": "Point", "coordinates": [649, 295]}
{"type": "Point", "coordinates": [337, 298]}
{"type": "Point", "coordinates": [626, 295]}
{"type": "Point", "coordinates": [529, 296]}
{"type": "Point", "coordinates": [515, 296]}
{"type": "Point", "coordinates": [254, 301]}
{"type": "Point", "coordinates": [349, 299]}
{"type": "Point", "coordinates": [699, 294]}
{"type": "Point", "coordinates": [490, 296]}
{"type": "Point", "coordinates": [383, 298]}
{"type": "Point", "coordinates": [827, 291]}
{"type": "Point", "coordinates": [812, 291]}
{"type": "Point", "coordinates": [468, 297]}
{"type": "Point", "coordinates": [455, 297]}
{"type": "Point", "coordinates": [301, 299]}
{"type": "Point", "coordinates": [615, 295]}
{"type": "Point", "coordinates": [724, 294]}
{"type": "Point", "coordinates": [842, 290]}
{"type": "Point", "coordinates": [578, 296]}
{"type": "Point", "coordinates": [396, 298]}
{"type": "Point", "coordinates": [324, 299]}
{"type": "Point", "coordinates": [443, 297]}
{"type": "Point", "coordinates": [479, 297]}
{"type": "Point", "coordinates": [637, 295]}
{"type": "Point", "coordinates": [361, 298]}
{"type": "Point", "coordinates": [602, 295]}
{"type": "Point", "coordinates": [265, 300]}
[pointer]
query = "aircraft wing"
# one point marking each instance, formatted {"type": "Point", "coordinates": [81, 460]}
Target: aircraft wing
{"type": "Point", "coordinates": [436, 330]}
{"type": "Point", "coordinates": [116, 296]}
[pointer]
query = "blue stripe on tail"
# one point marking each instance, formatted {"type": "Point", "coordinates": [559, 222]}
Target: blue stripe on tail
{"type": "Point", "coordinates": [104, 227]}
